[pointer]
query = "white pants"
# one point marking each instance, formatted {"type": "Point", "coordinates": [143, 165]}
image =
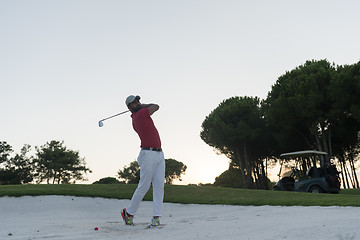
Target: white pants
{"type": "Point", "coordinates": [152, 170]}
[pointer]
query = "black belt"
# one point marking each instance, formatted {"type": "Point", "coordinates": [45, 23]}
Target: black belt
{"type": "Point", "coordinates": [152, 149]}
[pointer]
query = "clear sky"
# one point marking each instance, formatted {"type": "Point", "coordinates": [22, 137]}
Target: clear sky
{"type": "Point", "coordinates": [64, 65]}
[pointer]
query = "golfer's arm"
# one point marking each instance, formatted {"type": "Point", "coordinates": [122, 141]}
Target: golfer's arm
{"type": "Point", "coordinates": [152, 107]}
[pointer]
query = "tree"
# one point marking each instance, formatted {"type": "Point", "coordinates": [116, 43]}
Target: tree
{"type": "Point", "coordinates": [173, 170]}
{"type": "Point", "coordinates": [17, 169]}
{"type": "Point", "coordinates": [130, 174]}
{"type": "Point", "coordinates": [315, 106]}
{"type": "Point", "coordinates": [345, 92]}
{"type": "Point", "coordinates": [5, 174]}
{"type": "Point", "coordinates": [57, 164]}
{"type": "Point", "coordinates": [22, 166]}
{"type": "Point", "coordinates": [298, 106]}
{"type": "Point", "coordinates": [237, 129]}
{"type": "Point", "coordinates": [5, 151]}
{"type": "Point", "coordinates": [345, 137]}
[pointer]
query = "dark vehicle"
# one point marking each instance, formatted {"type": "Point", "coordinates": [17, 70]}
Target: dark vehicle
{"type": "Point", "coordinates": [323, 179]}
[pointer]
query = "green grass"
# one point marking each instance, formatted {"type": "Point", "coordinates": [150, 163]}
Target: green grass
{"type": "Point", "coordinates": [191, 194]}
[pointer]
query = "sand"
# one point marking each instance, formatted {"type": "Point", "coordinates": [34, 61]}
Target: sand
{"type": "Point", "coordinates": [66, 217]}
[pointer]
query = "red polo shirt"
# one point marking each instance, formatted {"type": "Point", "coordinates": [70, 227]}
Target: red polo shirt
{"type": "Point", "coordinates": [145, 128]}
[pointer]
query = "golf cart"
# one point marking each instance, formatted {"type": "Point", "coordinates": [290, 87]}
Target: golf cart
{"type": "Point", "coordinates": [309, 178]}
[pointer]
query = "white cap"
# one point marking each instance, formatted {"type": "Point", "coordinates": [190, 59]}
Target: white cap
{"type": "Point", "coordinates": [130, 99]}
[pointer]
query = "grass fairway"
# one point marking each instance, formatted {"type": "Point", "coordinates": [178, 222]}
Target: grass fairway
{"type": "Point", "coordinates": [191, 194]}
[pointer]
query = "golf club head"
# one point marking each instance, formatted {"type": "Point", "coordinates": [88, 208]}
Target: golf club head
{"type": "Point", "coordinates": [101, 124]}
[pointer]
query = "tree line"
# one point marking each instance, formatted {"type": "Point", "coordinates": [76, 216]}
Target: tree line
{"type": "Point", "coordinates": [314, 106]}
{"type": "Point", "coordinates": [52, 163]}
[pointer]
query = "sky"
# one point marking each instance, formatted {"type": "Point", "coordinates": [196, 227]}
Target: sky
{"type": "Point", "coordinates": [65, 65]}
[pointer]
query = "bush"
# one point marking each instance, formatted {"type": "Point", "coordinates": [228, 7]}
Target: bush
{"type": "Point", "coordinates": [107, 180]}
{"type": "Point", "coordinates": [230, 178]}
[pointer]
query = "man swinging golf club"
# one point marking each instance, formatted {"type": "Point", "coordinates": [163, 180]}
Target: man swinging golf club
{"type": "Point", "coordinates": [151, 160]}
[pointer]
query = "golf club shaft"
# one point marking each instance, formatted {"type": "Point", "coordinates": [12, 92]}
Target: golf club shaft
{"type": "Point", "coordinates": [114, 115]}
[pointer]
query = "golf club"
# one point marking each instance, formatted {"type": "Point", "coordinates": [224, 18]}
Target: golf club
{"type": "Point", "coordinates": [101, 121]}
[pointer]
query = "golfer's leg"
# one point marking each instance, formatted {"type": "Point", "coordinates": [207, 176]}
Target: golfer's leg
{"type": "Point", "coordinates": [158, 184]}
{"type": "Point", "coordinates": [144, 183]}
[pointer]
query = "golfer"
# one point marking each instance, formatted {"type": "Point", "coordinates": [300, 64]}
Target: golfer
{"type": "Point", "coordinates": [151, 160]}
